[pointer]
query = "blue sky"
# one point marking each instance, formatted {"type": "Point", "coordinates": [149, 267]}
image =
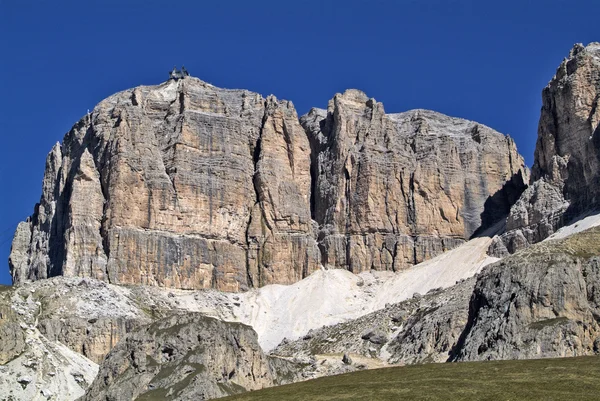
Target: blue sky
{"type": "Point", "coordinates": [483, 60]}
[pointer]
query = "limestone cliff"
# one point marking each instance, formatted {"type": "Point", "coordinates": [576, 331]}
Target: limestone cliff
{"type": "Point", "coordinates": [186, 185]}
{"type": "Point", "coordinates": [566, 170]}
{"type": "Point", "coordinates": [392, 190]}
{"type": "Point", "coordinates": [179, 185]}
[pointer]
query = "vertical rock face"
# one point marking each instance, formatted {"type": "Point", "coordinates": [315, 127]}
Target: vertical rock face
{"type": "Point", "coordinates": [390, 191]}
{"type": "Point", "coordinates": [181, 185]}
{"type": "Point", "coordinates": [566, 170]}
{"type": "Point", "coordinates": [191, 186]}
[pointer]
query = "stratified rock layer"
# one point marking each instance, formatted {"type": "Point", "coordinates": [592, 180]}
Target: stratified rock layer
{"type": "Point", "coordinates": [179, 185]}
{"type": "Point", "coordinates": [186, 185]}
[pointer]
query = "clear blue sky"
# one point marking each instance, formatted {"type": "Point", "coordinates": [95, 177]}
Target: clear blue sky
{"type": "Point", "coordinates": [482, 60]}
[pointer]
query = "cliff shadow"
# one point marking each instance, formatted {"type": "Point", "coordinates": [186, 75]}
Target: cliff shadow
{"type": "Point", "coordinates": [497, 206]}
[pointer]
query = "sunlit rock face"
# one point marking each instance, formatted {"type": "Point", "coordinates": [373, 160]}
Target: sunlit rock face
{"type": "Point", "coordinates": [187, 185]}
{"type": "Point", "coordinates": [392, 190]}
{"type": "Point", "coordinates": [566, 170]}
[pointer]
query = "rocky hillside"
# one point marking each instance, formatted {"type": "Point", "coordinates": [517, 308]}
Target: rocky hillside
{"type": "Point", "coordinates": [538, 303]}
{"type": "Point", "coordinates": [541, 302]}
{"type": "Point", "coordinates": [186, 185]}
{"type": "Point", "coordinates": [183, 357]}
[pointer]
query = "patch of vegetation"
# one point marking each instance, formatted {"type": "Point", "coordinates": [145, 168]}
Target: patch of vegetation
{"type": "Point", "coordinates": [231, 388]}
{"type": "Point", "coordinates": [160, 394]}
{"type": "Point", "coordinates": [548, 323]}
{"type": "Point", "coordinates": [5, 288]}
{"type": "Point", "coordinates": [583, 245]}
{"type": "Point", "coordinates": [541, 379]}
{"type": "Point", "coordinates": [156, 328]}
{"type": "Point", "coordinates": [165, 372]}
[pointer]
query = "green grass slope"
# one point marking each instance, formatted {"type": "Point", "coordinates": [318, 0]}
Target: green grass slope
{"type": "Point", "coordinates": [542, 379]}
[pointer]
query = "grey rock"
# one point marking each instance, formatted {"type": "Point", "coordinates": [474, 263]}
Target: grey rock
{"type": "Point", "coordinates": [346, 359]}
{"type": "Point", "coordinates": [183, 357]}
{"type": "Point", "coordinates": [92, 338]}
{"type": "Point", "coordinates": [540, 302]}
{"type": "Point", "coordinates": [375, 336]}
{"type": "Point", "coordinates": [565, 174]}
{"type": "Point", "coordinates": [13, 341]}
{"type": "Point", "coordinates": [392, 190]}
{"type": "Point", "coordinates": [18, 259]}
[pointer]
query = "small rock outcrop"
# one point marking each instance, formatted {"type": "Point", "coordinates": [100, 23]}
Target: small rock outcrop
{"type": "Point", "coordinates": [183, 357]}
{"type": "Point", "coordinates": [186, 185]}
{"type": "Point", "coordinates": [12, 337]}
{"type": "Point", "coordinates": [566, 171]}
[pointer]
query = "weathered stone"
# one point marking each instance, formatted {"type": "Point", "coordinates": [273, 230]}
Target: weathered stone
{"type": "Point", "coordinates": [92, 338]}
{"type": "Point", "coordinates": [183, 357]}
{"type": "Point", "coordinates": [179, 185]}
{"type": "Point", "coordinates": [392, 190]}
{"type": "Point", "coordinates": [12, 337]}
{"type": "Point", "coordinates": [18, 259]}
{"type": "Point", "coordinates": [190, 186]}
{"type": "Point", "coordinates": [540, 302]}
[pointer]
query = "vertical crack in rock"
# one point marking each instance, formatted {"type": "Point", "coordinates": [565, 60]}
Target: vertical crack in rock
{"type": "Point", "coordinates": [412, 212]}
{"type": "Point", "coordinates": [289, 146]}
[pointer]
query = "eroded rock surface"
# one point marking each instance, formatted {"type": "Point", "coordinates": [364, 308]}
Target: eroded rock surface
{"type": "Point", "coordinates": [540, 302]}
{"type": "Point", "coordinates": [183, 357]}
{"type": "Point", "coordinates": [32, 367]}
{"type": "Point", "coordinates": [179, 185]}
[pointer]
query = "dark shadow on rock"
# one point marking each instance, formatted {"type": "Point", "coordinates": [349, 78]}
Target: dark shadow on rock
{"type": "Point", "coordinates": [497, 206]}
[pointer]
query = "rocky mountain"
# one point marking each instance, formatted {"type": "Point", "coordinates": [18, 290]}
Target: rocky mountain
{"type": "Point", "coordinates": [167, 214]}
{"type": "Point", "coordinates": [186, 185]}
{"type": "Point", "coordinates": [565, 179]}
